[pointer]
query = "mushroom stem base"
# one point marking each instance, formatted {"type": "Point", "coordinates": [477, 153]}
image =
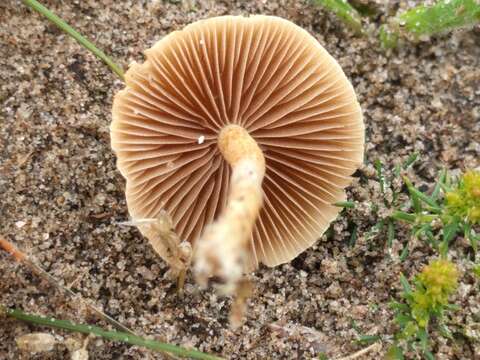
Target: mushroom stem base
{"type": "Point", "coordinates": [223, 249]}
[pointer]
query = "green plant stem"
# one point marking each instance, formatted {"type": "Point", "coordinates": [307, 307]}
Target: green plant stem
{"type": "Point", "coordinates": [390, 233]}
{"type": "Point", "coordinates": [345, 204]}
{"type": "Point", "coordinates": [111, 335]}
{"type": "Point", "coordinates": [403, 216]}
{"type": "Point", "coordinates": [415, 193]}
{"type": "Point", "coordinates": [344, 11]}
{"type": "Point", "coordinates": [35, 5]}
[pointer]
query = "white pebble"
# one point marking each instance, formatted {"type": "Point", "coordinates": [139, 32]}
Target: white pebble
{"type": "Point", "coordinates": [201, 139]}
{"type": "Point", "coordinates": [81, 354]}
{"type": "Point", "coordinates": [20, 224]}
{"type": "Point", "coordinates": [36, 342]}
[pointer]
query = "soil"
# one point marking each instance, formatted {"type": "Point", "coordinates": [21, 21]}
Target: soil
{"type": "Point", "coordinates": [61, 196]}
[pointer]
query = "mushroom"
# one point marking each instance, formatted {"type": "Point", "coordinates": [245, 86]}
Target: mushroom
{"type": "Point", "coordinates": [245, 132]}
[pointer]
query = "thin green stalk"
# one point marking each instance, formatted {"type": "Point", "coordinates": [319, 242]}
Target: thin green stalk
{"type": "Point", "coordinates": [415, 193]}
{"type": "Point", "coordinates": [403, 216]}
{"type": "Point", "coordinates": [410, 160]}
{"type": "Point", "coordinates": [404, 253]}
{"type": "Point", "coordinates": [381, 177]}
{"type": "Point", "coordinates": [440, 181]}
{"type": "Point", "coordinates": [345, 204]}
{"type": "Point", "coordinates": [111, 335]}
{"type": "Point", "coordinates": [344, 11]}
{"type": "Point", "coordinates": [390, 233]}
{"type": "Point", "coordinates": [353, 237]}
{"type": "Point", "coordinates": [35, 5]}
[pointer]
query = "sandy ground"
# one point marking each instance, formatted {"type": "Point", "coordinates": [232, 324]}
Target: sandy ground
{"type": "Point", "coordinates": [61, 195]}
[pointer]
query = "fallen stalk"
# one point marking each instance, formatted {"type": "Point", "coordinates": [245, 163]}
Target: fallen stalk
{"type": "Point", "coordinates": [111, 335]}
{"type": "Point", "coordinates": [373, 347]}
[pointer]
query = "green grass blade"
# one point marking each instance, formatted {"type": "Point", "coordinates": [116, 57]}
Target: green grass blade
{"type": "Point", "coordinates": [397, 170]}
{"type": "Point", "coordinates": [35, 5]}
{"type": "Point", "coordinates": [438, 187]}
{"type": "Point", "coordinates": [407, 289]}
{"type": "Point", "coordinates": [375, 230]}
{"type": "Point", "coordinates": [390, 233]}
{"type": "Point", "coordinates": [345, 12]}
{"type": "Point", "coordinates": [381, 178]}
{"type": "Point", "coordinates": [410, 160]}
{"type": "Point", "coordinates": [110, 335]}
{"type": "Point", "coordinates": [417, 206]}
{"type": "Point", "coordinates": [395, 305]}
{"type": "Point", "coordinates": [428, 355]}
{"type": "Point", "coordinates": [470, 234]}
{"type": "Point", "coordinates": [353, 237]}
{"type": "Point", "coordinates": [403, 216]}
{"type": "Point", "coordinates": [368, 339]}
{"type": "Point", "coordinates": [418, 195]}
{"type": "Point", "coordinates": [345, 204]}
{"type": "Point", "coordinates": [404, 253]}
{"type": "Point", "coordinates": [448, 233]}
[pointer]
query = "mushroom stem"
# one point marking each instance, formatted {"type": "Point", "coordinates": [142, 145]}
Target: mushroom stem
{"type": "Point", "coordinates": [222, 250]}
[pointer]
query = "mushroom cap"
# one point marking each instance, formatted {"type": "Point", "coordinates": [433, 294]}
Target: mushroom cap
{"type": "Point", "coordinates": [267, 75]}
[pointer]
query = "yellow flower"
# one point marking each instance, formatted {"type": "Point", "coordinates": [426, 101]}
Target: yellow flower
{"type": "Point", "coordinates": [464, 200]}
{"type": "Point", "coordinates": [471, 180]}
{"type": "Point", "coordinates": [436, 282]}
{"type": "Point", "coordinates": [474, 215]}
{"type": "Point", "coordinates": [453, 198]}
{"type": "Point", "coordinates": [439, 279]}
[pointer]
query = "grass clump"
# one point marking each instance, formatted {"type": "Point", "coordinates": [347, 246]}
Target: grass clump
{"type": "Point", "coordinates": [435, 284]}
{"type": "Point", "coordinates": [390, 189]}
{"type": "Point", "coordinates": [443, 16]}
{"type": "Point", "coordinates": [463, 201]}
{"type": "Point", "coordinates": [436, 216]}
{"type": "Point", "coordinates": [427, 300]}
{"type": "Point", "coordinates": [438, 220]}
